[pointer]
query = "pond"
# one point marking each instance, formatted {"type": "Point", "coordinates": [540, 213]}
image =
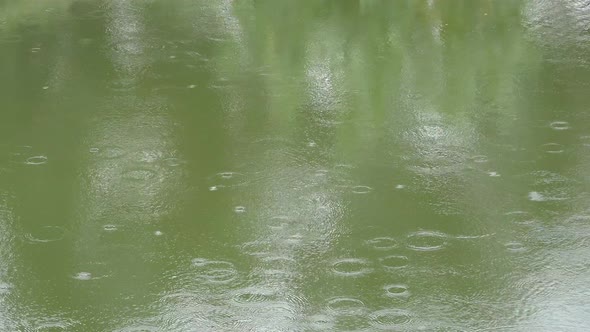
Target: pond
{"type": "Point", "coordinates": [264, 165]}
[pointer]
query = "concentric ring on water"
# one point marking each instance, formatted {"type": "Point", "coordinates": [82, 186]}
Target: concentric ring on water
{"type": "Point", "coordinates": [361, 189]}
{"type": "Point", "coordinates": [382, 243]}
{"type": "Point", "coordinates": [351, 267]}
{"type": "Point", "coordinates": [388, 319]}
{"type": "Point", "coordinates": [394, 261]}
{"type": "Point", "coordinates": [427, 240]}
{"type": "Point", "coordinates": [396, 290]}
{"type": "Point", "coordinates": [46, 234]}
{"type": "Point", "coordinates": [559, 125]}
{"type": "Point", "coordinates": [346, 305]}
{"type": "Point", "coordinates": [36, 160]}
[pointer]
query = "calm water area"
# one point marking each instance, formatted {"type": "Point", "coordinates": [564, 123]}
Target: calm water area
{"type": "Point", "coordinates": [294, 165]}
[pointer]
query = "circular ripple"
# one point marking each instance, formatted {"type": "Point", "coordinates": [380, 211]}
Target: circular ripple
{"type": "Point", "coordinates": [109, 228]}
{"type": "Point", "coordinates": [361, 189]}
{"type": "Point", "coordinates": [552, 148]}
{"type": "Point", "coordinates": [239, 209]}
{"type": "Point", "coordinates": [36, 160]}
{"type": "Point", "coordinates": [351, 267]}
{"type": "Point", "coordinates": [427, 240]}
{"type": "Point", "coordinates": [389, 319]}
{"type": "Point", "coordinates": [46, 234]}
{"type": "Point", "coordinates": [515, 247]}
{"type": "Point", "coordinates": [559, 125]}
{"type": "Point", "coordinates": [396, 290]}
{"type": "Point", "coordinates": [346, 305]}
{"type": "Point", "coordinates": [215, 271]}
{"type": "Point", "coordinates": [382, 243]}
{"type": "Point", "coordinates": [394, 262]}
{"type": "Point", "coordinates": [254, 296]}
{"type": "Point", "coordinates": [480, 159]}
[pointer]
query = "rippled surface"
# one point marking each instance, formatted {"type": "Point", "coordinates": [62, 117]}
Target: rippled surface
{"type": "Point", "coordinates": [303, 165]}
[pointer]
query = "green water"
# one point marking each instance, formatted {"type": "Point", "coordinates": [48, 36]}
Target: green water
{"type": "Point", "coordinates": [345, 165]}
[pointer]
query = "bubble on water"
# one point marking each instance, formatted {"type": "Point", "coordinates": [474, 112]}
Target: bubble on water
{"type": "Point", "coordinates": [382, 243]}
{"type": "Point", "coordinates": [36, 160]}
{"type": "Point", "coordinates": [559, 125]}
{"type": "Point", "coordinates": [46, 234]}
{"type": "Point", "coordinates": [213, 188]}
{"type": "Point", "coordinates": [394, 262]}
{"type": "Point", "coordinates": [514, 246]}
{"type": "Point", "coordinates": [158, 233]}
{"type": "Point", "coordinates": [45, 87]}
{"type": "Point", "coordinates": [94, 150]}
{"type": "Point", "coordinates": [390, 319]}
{"type": "Point", "coordinates": [351, 267]}
{"type": "Point", "coordinates": [311, 144]}
{"type": "Point", "coordinates": [83, 276]}
{"type": "Point", "coordinates": [139, 174]}
{"type": "Point", "coordinates": [493, 174]}
{"type": "Point", "coordinates": [361, 189]}
{"type": "Point", "coordinates": [172, 57]}
{"type": "Point", "coordinates": [400, 186]}
{"type": "Point", "coordinates": [239, 209]}
{"type": "Point", "coordinates": [427, 240]}
{"type": "Point", "coordinates": [396, 290]}
{"type": "Point", "coordinates": [192, 86]}
{"type": "Point", "coordinates": [346, 305]}
{"type": "Point", "coordinates": [255, 296]}
{"type": "Point", "coordinates": [553, 148]}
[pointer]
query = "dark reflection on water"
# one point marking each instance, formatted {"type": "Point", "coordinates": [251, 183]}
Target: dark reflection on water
{"type": "Point", "coordinates": [294, 166]}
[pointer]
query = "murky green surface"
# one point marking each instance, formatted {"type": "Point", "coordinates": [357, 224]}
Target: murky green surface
{"type": "Point", "coordinates": [294, 165]}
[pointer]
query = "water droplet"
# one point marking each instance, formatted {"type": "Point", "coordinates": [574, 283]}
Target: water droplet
{"type": "Point", "coordinates": [396, 290]}
{"type": "Point", "coordinates": [158, 233]}
{"type": "Point", "coordinates": [37, 160]}
{"type": "Point", "coordinates": [361, 189]}
{"type": "Point", "coordinates": [240, 209]}
{"type": "Point", "coordinates": [172, 57]}
{"type": "Point", "coordinates": [351, 267]}
{"type": "Point", "coordinates": [192, 86]}
{"type": "Point", "coordinates": [400, 186]}
{"type": "Point", "coordinates": [389, 319]}
{"type": "Point", "coordinates": [109, 228]}
{"type": "Point", "coordinates": [213, 188]}
{"type": "Point", "coordinates": [493, 174]}
{"type": "Point", "coordinates": [83, 276]}
{"type": "Point", "coordinates": [394, 261]}
{"type": "Point", "coordinates": [45, 87]}
{"type": "Point", "coordinates": [559, 125]}
{"type": "Point", "coordinates": [382, 243]}
{"type": "Point", "coordinates": [94, 150]}
{"type": "Point", "coordinates": [426, 240]}
{"type": "Point", "coordinates": [346, 306]}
